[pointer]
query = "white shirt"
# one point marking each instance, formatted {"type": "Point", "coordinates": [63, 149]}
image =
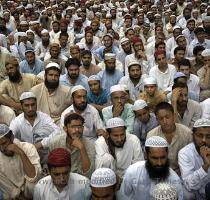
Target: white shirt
{"type": "Point", "coordinates": [194, 176]}
{"type": "Point", "coordinates": [137, 184]}
{"type": "Point", "coordinates": [194, 86]}
{"type": "Point", "coordinates": [130, 153]}
{"type": "Point", "coordinates": [165, 80]}
{"type": "Point", "coordinates": [205, 107]}
{"type": "Point", "coordinates": [6, 114]}
{"type": "Point", "coordinates": [43, 128]}
{"type": "Point", "coordinates": [77, 189]}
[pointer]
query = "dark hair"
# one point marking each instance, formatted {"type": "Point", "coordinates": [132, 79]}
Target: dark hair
{"type": "Point", "coordinates": [85, 52]}
{"type": "Point", "coordinates": [72, 61]}
{"type": "Point", "coordinates": [1, 18]}
{"type": "Point", "coordinates": [159, 43]}
{"type": "Point", "coordinates": [9, 135]}
{"type": "Point", "coordinates": [178, 49]}
{"type": "Point", "coordinates": [184, 62]}
{"type": "Point", "coordinates": [63, 34]}
{"type": "Point", "coordinates": [179, 85]}
{"type": "Point", "coordinates": [73, 116]}
{"type": "Point", "coordinates": [164, 106]}
{"type": "Point", "coordinates": [199, 30]}
{"type": "Point", "coordinates": [197, 49]}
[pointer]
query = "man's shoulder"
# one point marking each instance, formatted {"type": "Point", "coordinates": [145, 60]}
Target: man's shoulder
{"type": "Point", "coordinates": [132, 169]}
{"type": "Point", "coordinates": [37, 88]}
{"type": "Point", "coordinates": [188, 149]}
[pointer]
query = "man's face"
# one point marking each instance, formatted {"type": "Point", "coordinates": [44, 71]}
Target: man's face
{"type": "Point", "coordinates": [30, 57]}
{"type": "Point", "coordinates": [4, 142]}
{"type": "Point", "coordinates": [63, 41]}
{"type": "Point", "coordinates": [11, 70]}
{"type": "Point", "coordinates": [179, 55]}
{"type": "Point", "coordinates": [60, 176]}
{"type": "Point", "coordinates": [110, 65]}
{"type": "Point", "coordinates": [79, 99]}
{"type": "Point", "coordinates": [182, 42]}
{"type": "Point", "coordinates": [74, 129]}
{"type": "Point", "coordinates": [89, 38]}
{"type": "Point", "coordinates": [183, 98]}
{"type": "Point", "coordinates": [118, 136]}
{"type": "Point", "coordinates": [52, 79]}
{"type": "Point", "coordinates": [165, 119]}
{"type": "Point", "coordinates": [177, 32]}
{"type": "Point", "coordinates": [107, 41]}
{"type": "Point", "coordinates": [172, 20]}
{"type": "Point", "coordinates": [201, 36]}
{"type": "Point", "coordinates": [45, 37]}
{"type": "Point", "coordinates": [191, 26]}
{"type": "Point", "coordinates": [185, 70]}
{"type": "Point", "coordinates": [75, 53]}
{"type": "Point", "coordinates": [134, 72]}
{"type": "Point", "coordinates": [106, 193]}
{"type": "Point", "coordinates": [187, 14]}
{"type": "Point", "coordinates": [143, 115]}
{"type": "Point", "coordinates": [126, 47]}
{"type": "Point", "coordinates": [161, 47]}
{"type": "Point", "coordinates": [150, 89]}
{"type": "Point", "coordinates": [56, 27]}
{"type": "Point", "coordinates": [94, 86]}
{"type": "Point", "coordinates": [206, 60]}
{"type": "Point", "coordinates": [54, 52]}
{"type": "Point", "coordinates": [161, 60]}
{"type": "Point", "coordinates": [130, 34]}
{"type": "Point", "coordinates": [73, 71]}
{"type": "Point", "coordinates": [63, 27]}
{"type": "Point", "coordinates": [138, 46]}
{"type": "Point", "coordinates": [29, 107]}
{"type": "Point", "coordinates": [86, 59]}
{"type": "Point", "coordinates": [118, 97]}
{"type": "Point", "coordinates": [94, 26]}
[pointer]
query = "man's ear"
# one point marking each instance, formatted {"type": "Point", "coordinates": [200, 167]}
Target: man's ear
{"type": "Point", "coordinates": [145, 155]}
{"type": "Point", "coordinates": [65, 128]}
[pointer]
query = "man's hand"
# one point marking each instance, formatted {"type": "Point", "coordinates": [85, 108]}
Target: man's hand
{"type": "Point", "coordinates": [77, 143]}
{"type": "Point", "coordinates": [117, 110]}
{"type": "Point", "coordinates": [175, 94]}
{"type": "Point", "coordinates": [101, 132]}
{"type": "Point", "coordinates": [205, 154]}
{"type": "Point", "coordinates": [14, 148]}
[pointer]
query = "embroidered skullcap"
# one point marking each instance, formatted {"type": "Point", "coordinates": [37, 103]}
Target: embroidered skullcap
{"type": "Point", "coordinates": [23, 23]}
{"type": "Point", "coordinates": [150, 81]}
{"type": "Point", "coordinates": [202, 123]}
{"type": "Point", "coordinates": [190, 20]}
{"type": "Point", "coordinates": [206, 18]}
{"type": "Point", "coordinates": [164, 191]}
{"type": "Point", "coordinates": [29, 49]}
{"type": "Point", "coordinates": [108, 34]}
{"type": "Point", "coordinates": [76, 88]}
{"type": "Point", "coordinates": [205, 52]}
{"type": "Point", "coordinates": [156, 141]}
{"type": "Point", "coordinates": [27, 95]}
{"type": "Point", "coordinates": [133, 62]}
{"type": "Point", "coordinates": [4, 129]}
{"type": "Point", "coordinates": [59, 157]}
{"type": "Point", "coordinates": [54, 44]}
{"type": "Point", "coordinates": [176, 27]}
{"type": "Point", "coordinates": [94, 78]}
{"type": "Point", "coordinates": [109, 56]}
{"type": "Point", "coordinates": [124, 40]}
{"type": "Point", "coordinates": [44, 31]}
{"type": "Point", "coordinates": [115, 122]}
{"type": "Point", "coordinates": [179, 37]}
{"type": "Point", "coordinates": [30, 31]}
{"type": "Point", "coordinates": [117, 88]}
{"type": "Point", "coordinates": [52, 64]}
{"type": "Point", "coordinates": [103, 177]}
{"type": "Point", "coordinates": [139, 104]}
{"type": "Point", "coordinates": [179, 75]}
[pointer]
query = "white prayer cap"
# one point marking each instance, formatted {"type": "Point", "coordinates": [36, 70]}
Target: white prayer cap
{"type": "Point", "coordinates": [115, 122]}
{"type": "Point", "coordinates": [76, 88]}
{"type": "Point", "coordinates": [23, 23]}
{"type": "Point", "coordinates": [124, 40]}
{"type": "Point", "coordinates": [53, 64]}
{"type": "Point", "coordinates": [94, 78]}
{"type": "Point", "coordinates": [205, 52]}
{"type": "Point", "coordinates": [176, 27]}
{"type": "Point", "coordinates": [117, 88]}
{"type": "Point", "coordinates": [20, 34]}
{"type": "Point", "coordinates": [108, 34]}
{"type": "Point", "coordinates": [206, 18]}
{"type": "Point", "coordinates": [150, 81]}
{"type": "Point", "coordinates": [4, 129]}
{"type": "Point", "coordinates": [180, 36]}
{"type": "Point", "coordinates": [34, 22]}
{"type": "Point", "coordinates": [202, 123]}
{"type": "Point", "coordinates": [156, 141]}
{"type": "Point", "coordinates": [103, 177]}
{"type": "Point", "coordinates": [139, 104]}
{"type": "Point", "coordinates": [29, 49]}
{"type": "Point", "coordinates": [44, 31]}
{"type": "Point", "coordinates": [179, 75]}
{"type": "Point", "coordinates": [133, 62]}
{"type": "Point", "coordinates": [108, 15]}
{"type": "Point", "coordinates": [29, 6]}
{"type": "Point", "coordinates": [109, 56]}
{"type": "Point", "coordinates": [164, 191]}
{"type": "Point", "coordinates": [27, 95]}
{"type": "Point", "coordinates": [30, 31]}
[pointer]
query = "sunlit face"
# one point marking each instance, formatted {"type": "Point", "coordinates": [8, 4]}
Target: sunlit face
{"type": "Point", "coordinates": [201, 137]}
{"type": "Point", "coordinates": [106, 193]}
{"type": "Point", "coordinates": [74, 129]}
{"type": "Point", "coordinates": [79, 99]}
{"type": "Point", "coordinates": [134, 71]}
{"type": "Point", "coordinates": [118, 97]}
{"type": "Point", "coordinates": [29, 107]}
{"type": "Point", "coordinates": [185, 70]}
{"type": "Point", "coordinates": [150, 89]}
{"type": "Point", "coordinates": [118, 136]}
{"type": "Point", "coordinates": [143, 115]}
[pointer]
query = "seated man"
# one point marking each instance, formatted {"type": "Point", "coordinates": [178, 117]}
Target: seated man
{"type": "Point", "coordinates": [194, 160]}
{"type": "Point", "coordinates": [141, 177]}
{"type": "Point", "coordinates": [19, 168]}
{"type": "Point", "coordinates": [119, 150]}
{"type": "Point", "coordinates": [144, 120]}
{"type": "Point", "coordinates": [6, 114]}
{"type": "Point", "coordinates": [82, 150]}
{"type": "Point", "coordinates": [61, 183]}
{"type": "Point", "coordinates": [119, 108]}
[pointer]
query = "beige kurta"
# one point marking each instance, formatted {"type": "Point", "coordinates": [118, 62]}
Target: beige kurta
{"type": "Point", "coordinates": [13, 180]}
{"type": "Point", "coordinates": [93, 69]}
{"type": "Point", "coordinates": [6, 115]}
{"type": "Point", "coordinates": [52, 104]}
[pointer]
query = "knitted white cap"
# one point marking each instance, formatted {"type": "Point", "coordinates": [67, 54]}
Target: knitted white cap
{"type": "Point", "coordinates": [156, 141]}
{"type": "Point", "coordinates": [139, 104]}
{"type": "Point", "coordinates": [117, 88]}
{"type": "Point", "coordinates": [77, 87]}
{"type": "Point", "coordinates": [202, 123]}
{"type": "Point", "coordinates": [27, 95]}
{"type": "Point", "coordinates": [115, 122]}
{"type": "Point", "coordinates": [4, 129]}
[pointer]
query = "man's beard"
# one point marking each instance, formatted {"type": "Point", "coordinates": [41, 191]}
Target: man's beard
{"type": "Point", "coordinates": [134, 79]}
{"type": "Point", "coordinates": [128, 52]}
{"type": "Point", "coordinates": [51, 85]}
{"type": "Point", "coordinates": [183, 104]}
{"type": "Point", "coordinates": [117, 145]}
{"type": "Point", "coordinates": [58, 16]}
{"type": "Point", "coordinates": [158, 173]}
{"type": "Point", "coordinates": [2, 28]}
{"type": "Point", "coordinates": [15, 78]}
{"type": "Point", "coordinates": [80, 107]}
{"type": "Point", "coordinates": [110, 70]}
{"type": "Point", "coordinates": [45, 43]}
{"type": "Point", "coordinates": [73, 76]}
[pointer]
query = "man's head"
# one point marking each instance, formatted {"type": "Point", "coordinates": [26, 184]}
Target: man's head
{"type": "Point", "coordinates": [108, 40]}
{"type": "Point", "coordinates": [141, 111]}
{"type": "Point", "coordinates": [56, 26]}
{"type": "Point", "coordinates": [63, 39]}
{"type": "Point", "coordinates": [103, 184]}
{"type": "Point", "coordinates": [86, 57]}
{"type": "Point", "coordinates": [28, 104]}
{"type": "Point", "coordinates": [160, 46]}
{"type": "Point", "coordinates": [110, 62]}
{"type": "Point", "coordinates": [30, 56]}
{"type": "Point", "coordinates": [45, 36]}
{"type": "Point", "coordinates": [134, 70]}
{"type": "Point", "coordinates": [165, 116]}
{"type": "Point", "coordinates": [184, 67]}
{"type": "Point", "coordinates": [197, 53]}
{"type": "Point", "coordinates": [206, 57]}
{"type": "Point", "coordinates": [187, 13]}
{"type": "Point", "coordinates": [94, 84]}
{"type": "Point", "coordinates": [79, 97]}
{"type": "Point", "coordinates": [180, 78]}
{"type": "Point", "coordinates": [52, 75]}
{"type": "Point", "coordinates": [201, 133]}
{"type": "Point", "coordinates": [179, 53]}
{"type": "Point", "coordinates": [181, 41]}
{"type": "Point", "coordinates": [55, 50]}
{"type": "Point", "coordinates": [74, 125]}
{"type": "Point", "coordinates": [157, 163]}
{"type": "Point", "coordinates": [59, 166]}
{"type": "Point", "coordinates": [177, 31]}
{"type": "Point", "coordinates": [200, 34]}
{"type": "Point", "coordinates": [118, 95]}
{"type": "Point", "coordinates": [137, 44]}
{"type": "Point", "coordinates": [6, 138]}
{"type": "Point", "coordinates": [191, 24]}
{"type": "Point", "coordinates": [72, 65]}
{"type": "Point", "coordinates": [75, 52]}
{"type": "Point", "coordinates": [2, 24]}
{"type": "Point", "coordinates": [150, 86]}
{"type": "Point", "coordinates": [116, 129]}
{"type": "Point", "coordinates": [160, 58]}
{"type": "Point", "coordinates": [88, 36]}
{"type": "Point", "coordinates": [126, 45]}
{"type": "Point", "coordinates": [183, 95]}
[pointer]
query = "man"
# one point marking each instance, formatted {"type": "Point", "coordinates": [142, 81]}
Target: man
{"type": "Point", "coordinates": [179, 54]}
{"type": "Point", "coordinates": [188, 32]}
{"type": "Point", "coordinates": [110, 75]}
{"type": "Point", "coordinates": [186, 111]}
{"type": "Point", "coordinates": [73, 76]}
{"type": "Point", "coordinates": [141, 177]}
{"type": "Point", "coordinates": [134, 79]}
{"type": "Point", "coordinates": [182, 22]}
{"type": "Point", "coordinates": [177, 135]}
{"type": "Point", "coordinates": [87, 68]}
{"type": "Point", "coordinates": [193, 81]}
{"type": "Point", "coordinates": [31, 64]}
{"type": "Point", "coordinates": [64, 44]}
{"type": "Point", "coordinates": [61, 183]}
{"type": "Point", "coordinates": [194, 160]}
{"type": "Point", "coordinates": [119, 107]}
{"type": "Point", "coordinates": [73, 139]}
{"type": "Point", "coordinates": [163, 72]}
{"type": "Point", "coordinates": [93, 124]}
{"type": "Point", "coordinates": [119, 149]}
{"type": "Point", "coordinates": [144, 120]}
{"type": "Point", "coordinates": [17, 83]}
{"type": "Point", "coordinates": [20, 167]}
{"type": "Point", "coordinates": [6, 114]}
{"type": "Point", "coordinates": [52, 97]}
{"type": "Point", "coordinates": [151, 94]}
{"type": "Point", "coordinates": [197, 62]}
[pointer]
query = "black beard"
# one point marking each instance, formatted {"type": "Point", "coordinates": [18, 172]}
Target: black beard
{"type": "Point", "coordinates": [110, 71]}
{"type": "Point", "coordinates": [45, 43]}
{"type": "Point", "coordinates": [2, 28]}
{"type": "Point", "coordinates": [80, 107]}
{"type": "Point", "coordinates": [128, 52]}
{"type": "Point", "coordinates": [158, 173]}
{"type": "Point", "coordinates": [58, 16]}
{"type": "Point", "coordinates": [134, 79]}
{"type": "Point", "coordinates": [73, 76]}
{"type": "Point", "coordinates": [114, 145]}
{"type": "Point", "coordinates": [51, 85]}
{"type": "Point", "coordinates": [15, 78]}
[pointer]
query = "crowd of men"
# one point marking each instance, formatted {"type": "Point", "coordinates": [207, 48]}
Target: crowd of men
{"type": "Point", "coordinates": [105, 99]}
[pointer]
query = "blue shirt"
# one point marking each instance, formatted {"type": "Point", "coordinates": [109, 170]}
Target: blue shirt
{"type": "Point", "coordinates": [99, 100]}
